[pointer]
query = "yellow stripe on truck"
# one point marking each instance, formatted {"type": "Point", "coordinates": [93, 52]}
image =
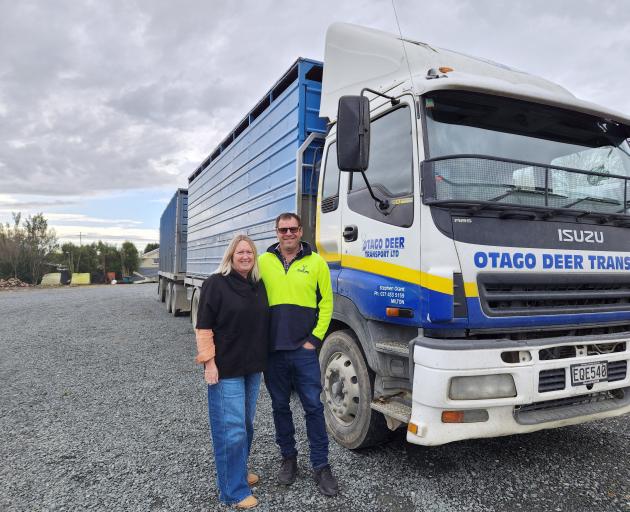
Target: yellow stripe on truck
{"type": "Point", "coordinates": [471, 290]}
{"type": "Point", "coordinates": [381, 268]}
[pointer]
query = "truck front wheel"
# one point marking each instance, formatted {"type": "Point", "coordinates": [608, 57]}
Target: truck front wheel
{"type": "Point", "coordinates": [347, 393]}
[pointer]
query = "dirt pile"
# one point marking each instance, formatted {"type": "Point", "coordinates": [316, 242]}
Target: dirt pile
{"type": "Point", "coordinates": [13, 282]}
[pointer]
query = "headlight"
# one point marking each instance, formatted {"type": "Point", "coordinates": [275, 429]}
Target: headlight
{"type": "Point", "coordinates": [481, 387]}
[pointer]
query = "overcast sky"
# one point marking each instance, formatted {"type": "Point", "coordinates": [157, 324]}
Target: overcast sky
{"type": "Point", "coordinates": [106, 107]}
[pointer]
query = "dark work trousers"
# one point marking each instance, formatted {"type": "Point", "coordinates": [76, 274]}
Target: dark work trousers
{"type": "Point", "coordinates": [297, 369]}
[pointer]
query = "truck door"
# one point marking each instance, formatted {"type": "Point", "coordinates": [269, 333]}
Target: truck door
{"type": "Point", "coordinates": [380, 247]}
{"type": "Point", "coordinates": [329, 213]}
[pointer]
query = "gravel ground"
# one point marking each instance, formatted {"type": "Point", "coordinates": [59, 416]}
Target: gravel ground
{"type": "Point", "coordinates": [103, 409]}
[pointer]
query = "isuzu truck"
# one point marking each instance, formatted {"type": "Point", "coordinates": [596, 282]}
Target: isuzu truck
{"type": "Point", "coordinates": [475, 219]}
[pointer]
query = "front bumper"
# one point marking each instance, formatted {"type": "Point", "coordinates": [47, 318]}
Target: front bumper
{"type": "Point", "coordinates": [535, 406]}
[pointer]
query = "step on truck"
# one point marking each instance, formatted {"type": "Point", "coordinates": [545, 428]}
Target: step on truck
{"type": "Point", "coordinates": [172, 266]}
{"type": "Point", "coordinates": [475, 221]}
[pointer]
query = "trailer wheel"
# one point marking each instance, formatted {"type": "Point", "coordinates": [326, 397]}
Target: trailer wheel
{"type": "Point", "coordinates": [194, 305]}
{"type": "Point", "coordinates": [347, 392]}
{"type": "Point", "coordinates": [169, 295]}
{"type": "Point", "coordinates": [162, 289]}
{"type": "Point", "coordinates": [174, 310]}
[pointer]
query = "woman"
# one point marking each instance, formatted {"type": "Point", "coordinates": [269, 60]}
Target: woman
{"type": "Point", "coordinates": [232, 323]}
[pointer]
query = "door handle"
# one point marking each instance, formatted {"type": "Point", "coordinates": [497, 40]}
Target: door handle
{"type": "Point", "coordinates": [350, 233]}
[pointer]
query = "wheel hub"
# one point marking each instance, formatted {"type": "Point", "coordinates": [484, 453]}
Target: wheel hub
{"type": "Point", "coordinates": [341, 388]}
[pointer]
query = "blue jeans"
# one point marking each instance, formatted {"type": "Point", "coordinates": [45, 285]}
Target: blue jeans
{"type": "Point", "coordinates": [297, 369]}
{"type": "Point", "coordinates": [231, 408]}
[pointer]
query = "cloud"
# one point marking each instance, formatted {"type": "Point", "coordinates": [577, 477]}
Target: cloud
{"type": "Point", "coordinates": [79, 227]}
{"type": "Point", "coordinates": [75, 217]}
{"type": "Point", "coordinates": [111, 96]}
{"type": "Point", "coordinates": [86, 234]}
{"type": "Point", "coordinates": [10, 203]}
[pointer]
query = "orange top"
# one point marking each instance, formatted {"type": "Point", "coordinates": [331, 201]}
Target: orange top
{"type": "Point", "coordinates": [205, 345]}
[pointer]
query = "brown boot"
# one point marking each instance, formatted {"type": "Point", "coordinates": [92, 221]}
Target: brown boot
{"type": "Point", "coordinates": [249, 502]}
{"type": "Point", "coordinates": [252, 479]}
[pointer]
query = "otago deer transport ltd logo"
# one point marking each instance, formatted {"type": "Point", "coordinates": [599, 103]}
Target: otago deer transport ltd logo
{"type": "Point", "coordinates": [303, 269]}
{"type": "Point", "coordinates": [581, 235]}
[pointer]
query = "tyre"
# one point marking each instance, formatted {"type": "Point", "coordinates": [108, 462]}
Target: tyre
{"type": "Point", "coordinates": [194, 305]}
{"type": "Point", "coordinates": [347, 384]}
{"type": "Point", "coordinates": [174, 292]}
{"type": "Point", "coordinates": [169, 294]}
{"type": "Point", "coordinates": [162, 289]}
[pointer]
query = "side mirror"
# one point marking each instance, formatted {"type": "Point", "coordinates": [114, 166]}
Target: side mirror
{"type": "Point", "coordinates": [353, 133]}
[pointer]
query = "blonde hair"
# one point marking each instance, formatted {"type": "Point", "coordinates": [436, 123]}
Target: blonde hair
{"type": "Point", "coordinates": [226, 263]}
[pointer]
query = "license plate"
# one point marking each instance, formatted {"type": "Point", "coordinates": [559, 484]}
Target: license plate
{"type": "Point", "coordinates": [589, 373]}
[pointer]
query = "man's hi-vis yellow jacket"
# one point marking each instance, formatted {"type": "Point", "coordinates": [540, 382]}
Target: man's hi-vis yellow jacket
{"type": "Point", "coordinates": [301, 299]}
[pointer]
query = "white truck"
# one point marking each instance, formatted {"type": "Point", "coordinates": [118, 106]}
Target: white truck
{"type": "Point", "coordinates": [475, 220]}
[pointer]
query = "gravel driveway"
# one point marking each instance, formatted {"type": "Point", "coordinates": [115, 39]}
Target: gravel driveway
{"type": "Point", "coordinates": [103, 409]}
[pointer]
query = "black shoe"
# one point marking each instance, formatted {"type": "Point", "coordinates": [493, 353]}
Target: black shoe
{"type": "Point", "coordinates": [326, 482]}
{"type": "Point", "coordinates": [288, 471]}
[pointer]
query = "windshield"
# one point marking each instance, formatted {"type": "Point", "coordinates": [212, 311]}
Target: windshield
{"type": "Point", "coordinates": [513, 150]}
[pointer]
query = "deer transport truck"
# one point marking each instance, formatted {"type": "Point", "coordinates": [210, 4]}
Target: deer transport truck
{"type": "Point", "coordinates": [475, 221]}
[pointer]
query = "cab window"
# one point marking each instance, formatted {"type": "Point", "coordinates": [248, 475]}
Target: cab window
{"type": "Point", "coordinates": [330, 185]}
{"type": "Point", "coordinates": [390, 170]}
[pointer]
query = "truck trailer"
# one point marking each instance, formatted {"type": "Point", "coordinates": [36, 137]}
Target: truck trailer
{"type": "Point", "coordinates": [173, 254]}
{"type": "Point", "coordinates": [475, 221]}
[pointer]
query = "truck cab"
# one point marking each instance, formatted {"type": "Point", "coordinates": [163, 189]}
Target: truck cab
{"type": "Point", "coordinates": [475, 220]}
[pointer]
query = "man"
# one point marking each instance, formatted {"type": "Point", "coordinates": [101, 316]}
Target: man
{"type": "Point", "coordinates": [300, 296]}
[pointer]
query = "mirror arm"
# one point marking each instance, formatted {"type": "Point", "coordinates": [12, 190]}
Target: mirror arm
{"type": "Point", "coordinates": [383, 204]}
{"type": "Point", "coordinates": [390, 98]}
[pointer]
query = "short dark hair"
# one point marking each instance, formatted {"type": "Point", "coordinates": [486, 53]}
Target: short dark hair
{"type": "Point", "coordinates": [288, 216]}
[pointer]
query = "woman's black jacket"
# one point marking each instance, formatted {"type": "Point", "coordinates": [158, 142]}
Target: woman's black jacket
{"type": "Point", "coordinates": [237, 311]}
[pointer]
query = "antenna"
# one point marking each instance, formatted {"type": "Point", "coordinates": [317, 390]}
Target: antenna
{"type": "Point", "coordinates": [402, 42]}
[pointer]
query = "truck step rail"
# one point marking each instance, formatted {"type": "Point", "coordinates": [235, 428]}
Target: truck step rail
{"type": "Point", "coordinates": [395, 413]}
{"type": "Point", "coordinates": [393, 347]}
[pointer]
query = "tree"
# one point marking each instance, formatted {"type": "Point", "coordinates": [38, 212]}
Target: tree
{"type": "Point", "coordinates": [39, 243]}
{"type": "Point", "coordinates": [129, 258]}
{"type": "Point", "coordinates": [83, 258]}
{"type": "Point", "coordinates": [71, 256]}
{"type": "Point", "coordinates": [109, 258]}
{"type": "Point", "coordinates": [25, 247]}
{"type": "Point", "coordinates": [150, 247]}
{"type": "Point", "coordinates": [12, 244]}
{"type": "Point", "coordinates": [89, 258]}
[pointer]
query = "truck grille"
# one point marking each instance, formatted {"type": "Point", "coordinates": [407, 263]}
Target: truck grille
{"type": "Point", "coordinates": [571, 407]}
{"type": "Point", "coordinates": [568, 351]}
{"type": "Point", "coordinates": [551, 380]}
{"type": "Point", "coordinates": [617, 370]}
{"type": "Point", "coordinates": [555, 379]}
{"type": "Point", "coordinates": [512, 294]}
{"type": "Point", "coordinates": [600, 396]}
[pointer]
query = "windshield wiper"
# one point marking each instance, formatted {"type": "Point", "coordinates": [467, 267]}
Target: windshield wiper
{"type": "Point", "coordinates": [546, 212]}
{"type": "Point", "coordinates": [593, 200]}
{"type": "Point", "coordinates": [476, 206]}
{"type": "Point", "coordinates": [514, 190]}
{"type": "Point", "coordinates": [472, 206]}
